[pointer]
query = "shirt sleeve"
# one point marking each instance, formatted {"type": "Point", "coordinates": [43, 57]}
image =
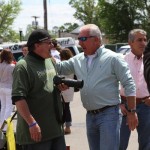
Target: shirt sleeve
{"type": "Point", "coordinates": [123, 74]}
{"type": "Point", "coordinates": [21, 85]}
{"type": "Point", "coordinates": [65, 67]}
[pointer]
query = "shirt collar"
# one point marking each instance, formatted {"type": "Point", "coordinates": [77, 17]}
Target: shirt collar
{"type": "Point", "coordinates": [36, 56]}
{"type": "Point", "coordinates": [135, 57]}
{"type": "Point", "coordinates": [98, 52]}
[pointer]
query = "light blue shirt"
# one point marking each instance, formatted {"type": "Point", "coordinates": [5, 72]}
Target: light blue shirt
{"type": "Point", "coordinates": [101, 79]}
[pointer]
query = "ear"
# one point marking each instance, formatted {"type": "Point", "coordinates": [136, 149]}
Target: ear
{"type": "Point", "coordinates": [97, 39]}
{"type": "Point", "coordinates": [37, 45]}
{"type": "Point", "coordinates": [130, 43]}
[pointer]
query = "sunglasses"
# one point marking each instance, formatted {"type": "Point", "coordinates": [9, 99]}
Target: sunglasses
{"type": "Point", "coordinates": [84, 38]}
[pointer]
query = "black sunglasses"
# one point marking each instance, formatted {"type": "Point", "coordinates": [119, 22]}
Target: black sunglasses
{"type": "Point", "coordinates": [84, 38]}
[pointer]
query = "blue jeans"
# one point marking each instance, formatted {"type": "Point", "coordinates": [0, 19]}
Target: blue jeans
{"type": "Point", "coordinates": [103, 129]}
{"type": "Point", "coordinates": [143, 129]}
{"type": "Point", "coordinates": [54, 144]}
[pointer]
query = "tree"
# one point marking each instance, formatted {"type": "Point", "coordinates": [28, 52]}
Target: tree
{"type": "Point", "coordinates": [68, 27]}
{"type": "Point", "coordinates": [86, 11]}
{"type": "Point", "coordinates": [116, 17]}
{"type": "Point", "coordinates": [145, 19]}
{"type": "Point", "coordinates": [121, 16]}
{"type": "Point", "coordinates": [8, 13]}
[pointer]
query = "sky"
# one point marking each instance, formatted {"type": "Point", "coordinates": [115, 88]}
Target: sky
{"type": "Point", "coordinates": [58, 13]}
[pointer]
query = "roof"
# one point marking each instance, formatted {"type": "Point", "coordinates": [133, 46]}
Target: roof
{"type": "Point", "coordinates": [76, 31]}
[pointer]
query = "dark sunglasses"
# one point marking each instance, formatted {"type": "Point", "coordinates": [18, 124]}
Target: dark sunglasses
{"type": "Point", "coordinates": [84, 38]}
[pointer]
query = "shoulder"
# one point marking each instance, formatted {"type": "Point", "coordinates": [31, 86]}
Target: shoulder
{"type": "Point", "coordinates": [109, 54]}
{"type": "Point", "coordinates": [10, 66]}
{"type": "Point", "coordinates": [21, 64]}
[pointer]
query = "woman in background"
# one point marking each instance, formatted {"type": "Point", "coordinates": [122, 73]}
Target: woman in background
{"type": "Point", "coordinates": [66, 54]}
{"type": "Point", "coordinates": [6, 69]}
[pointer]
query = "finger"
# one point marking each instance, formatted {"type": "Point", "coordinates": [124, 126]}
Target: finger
{"type": "Point", "coordinates": [124, 113]}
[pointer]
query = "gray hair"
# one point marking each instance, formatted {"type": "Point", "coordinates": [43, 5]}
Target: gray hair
{"type": "Point", "coordinates": [132, 33]}
{"type": "Point", "coordinates": [93, 30]}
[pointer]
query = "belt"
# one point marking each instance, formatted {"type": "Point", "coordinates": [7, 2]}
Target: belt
{"type": "Point", "coordinates": [138, 100]}
{"type": "Point", "coordinates": [99, 110]}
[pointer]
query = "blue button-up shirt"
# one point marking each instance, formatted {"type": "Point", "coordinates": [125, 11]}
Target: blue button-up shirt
{"type": "Point", "coordinates": [101, 79]}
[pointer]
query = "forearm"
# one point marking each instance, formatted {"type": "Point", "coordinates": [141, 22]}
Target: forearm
{"type": "Point", "coordinates": [34, 128]}
{"type": "Point", "coordinates": [24, 111]}
{"type": "Point", "coordinates": [65, 68]}
{"type": "Point", "coordinates": [131, 102]}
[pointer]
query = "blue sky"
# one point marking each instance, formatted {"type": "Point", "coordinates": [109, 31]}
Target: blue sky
{"type": "Point", "coordinates": [59, 12]}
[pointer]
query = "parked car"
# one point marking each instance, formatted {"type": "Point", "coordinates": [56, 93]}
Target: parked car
{"type": "Point", "coordinates": [68, 42]}
{"type": "Point", "coordinates": [16, 48]}
{"type": "Point", "coordinates": [124, 49]}
{"type": "Point", "coordinates": [111, 47]}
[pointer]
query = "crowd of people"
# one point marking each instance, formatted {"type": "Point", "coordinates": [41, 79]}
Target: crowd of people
{"type": "Point", "coordinates": [112, 112]}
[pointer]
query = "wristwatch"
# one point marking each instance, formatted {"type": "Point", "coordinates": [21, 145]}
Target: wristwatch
{"type": "Point", "coordinates": [132, 110]}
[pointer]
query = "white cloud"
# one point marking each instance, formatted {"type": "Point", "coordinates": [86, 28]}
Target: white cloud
{"type": "Point", "coordinates": [58, 14]}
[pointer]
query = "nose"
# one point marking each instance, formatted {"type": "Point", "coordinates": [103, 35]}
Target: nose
{"type": "Point", "coordinates": [144, 43]}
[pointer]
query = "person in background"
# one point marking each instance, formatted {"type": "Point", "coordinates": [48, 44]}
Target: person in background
{"type": "Point", "coordinates": [146, 60]}
{"type": "Point", "coordinates": [54, 51]}
{"type": "Point", "coordinates": [6, 79]}
{"type": "Point", "coordinates": [68, 94]}
{"type": "Point", "coordinates": [137, 40]}
{"type": "Point", "coordinates": [24, 52]}
{"type": "Point", "coordinates": [38, 124]}
{"type": "Point", "coordinates": [102, 70]}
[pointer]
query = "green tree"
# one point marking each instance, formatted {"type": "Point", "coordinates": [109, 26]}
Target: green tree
{"type": "Point", "coordinates": [8, 12]}
{"type": "Point", "coordinates": [68, 27]}
{"type": "Point", "coordinates": [116, 17]}
{"type": "Point", "coordinates": [121, 16]}
{"type": "Point", "coordinates": [145, 19]}
{"type": "Point", "coordinates": [86, 11]}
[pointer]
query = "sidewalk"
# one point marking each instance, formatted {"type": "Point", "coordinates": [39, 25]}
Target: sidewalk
{"type": "Point", "coordinates": [77, 140]}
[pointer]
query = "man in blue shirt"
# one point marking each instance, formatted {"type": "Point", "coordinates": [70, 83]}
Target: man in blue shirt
{"type": "Point", "coordinates": [102, 70]}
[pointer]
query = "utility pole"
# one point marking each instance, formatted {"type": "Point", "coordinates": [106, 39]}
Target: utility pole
{"type": "Point", "coordinates": [45, 14]}
{"type": "Point", "coordinates": [20, 34]}
{"type": "Point", "coordinates": [35, 23]}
